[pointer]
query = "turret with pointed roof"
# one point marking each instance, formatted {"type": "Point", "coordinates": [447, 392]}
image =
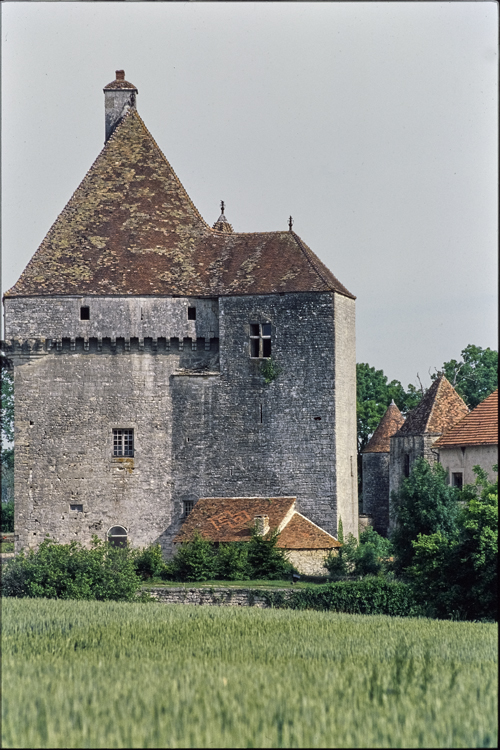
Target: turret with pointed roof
{"type": "Point", "coordinates": [439, 409]}
{"type": "Point", "coordinates": [375, 473]}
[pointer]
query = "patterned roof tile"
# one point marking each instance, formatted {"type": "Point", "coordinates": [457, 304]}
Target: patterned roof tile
{"type": "Point", "coordinates": [479, 427]}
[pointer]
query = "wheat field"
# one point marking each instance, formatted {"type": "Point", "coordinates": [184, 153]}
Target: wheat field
{"type": "Point", "coordinates": [105, 674]}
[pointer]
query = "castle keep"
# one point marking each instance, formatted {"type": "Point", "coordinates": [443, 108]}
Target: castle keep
{"type": "Point", "coordinates": [139, 334]}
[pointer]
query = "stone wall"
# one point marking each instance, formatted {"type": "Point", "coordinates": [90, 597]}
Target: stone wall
{"type": "Point", "coordinates": [376, 490]}
{"type": "Point", "coordinates": [218, 597]}
{"type": "Point", "coordinates": [205, 423]}
{"type": "Point", "coordinates": [457, 459]}
{"type": "Point", "coordinates": [309, 562]}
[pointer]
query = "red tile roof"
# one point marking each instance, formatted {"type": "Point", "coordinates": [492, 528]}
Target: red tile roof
{"type": "Point", "coordinates": [480, 427]}
{"type": "Point", "coordinates": [230, 519]}
{"type": "Point", "coordinates": [380, 441]}
{"type": "Point", "coordinates": [440, 408]}
{"type": "Point", "coordinates": [130, 228]}
{"type": "Point", "coordinates": [301, 533]}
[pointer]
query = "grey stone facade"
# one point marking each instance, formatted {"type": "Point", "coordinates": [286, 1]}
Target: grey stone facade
{"type": "Point", "coordinates": [204, 421]}
{"type": "Point", "coordinates": [376, 490]}
{"type": "Point", "coordinates": [414, 447]}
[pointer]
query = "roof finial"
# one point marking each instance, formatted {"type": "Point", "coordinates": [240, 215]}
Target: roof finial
{"type": "Point", "coordinates": [222, 206]}
{"type": "Point", "coordinates": [290, 223]}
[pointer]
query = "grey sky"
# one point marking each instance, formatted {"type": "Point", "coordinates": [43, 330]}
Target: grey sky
{"type": "Point", "coordinates": [373, 124]}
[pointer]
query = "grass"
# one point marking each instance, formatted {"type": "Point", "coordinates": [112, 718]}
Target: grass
{"type": "Point", "coordinates": [108, 674]}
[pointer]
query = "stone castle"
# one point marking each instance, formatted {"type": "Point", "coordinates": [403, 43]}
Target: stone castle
{"type": "Point", "coordinates": [159, 360]}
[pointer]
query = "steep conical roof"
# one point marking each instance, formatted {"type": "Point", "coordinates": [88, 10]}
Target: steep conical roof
{"type": "Point", "coordinates": [222, 224]}
{"type": "Point", "coordinates": [440, 408]}
{"type": "Point", "coordinates": [380, 441]}
{"type": "Point", "coordinates": [479, 427]}
{"type": "Point", "coordinates": [130, 228]}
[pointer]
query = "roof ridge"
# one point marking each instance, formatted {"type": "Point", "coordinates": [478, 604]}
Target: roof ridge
{"type": "Point", "coordinates": [171, 168]}
{"type": "Point", "coordinates": [301, 246]}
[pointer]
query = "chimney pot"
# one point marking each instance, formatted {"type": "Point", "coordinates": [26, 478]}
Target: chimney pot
{"type": "Point", "coordinates": [261, 525]}
{"type": "Point", "coordinates": [120, 75]}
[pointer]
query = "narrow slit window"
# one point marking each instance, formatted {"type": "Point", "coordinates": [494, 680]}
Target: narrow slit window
{"type": "Point", "coordinates": [191, 313]}
{"type": "Point", "coordinates": [123, 442]}
{"type": "Point", "coordinates": [85, 312]}
{"type": "Point", "coordinates": [407, 465]}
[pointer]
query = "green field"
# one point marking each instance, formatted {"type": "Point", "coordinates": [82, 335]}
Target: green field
{"type": "Point", "coordinates": [107, 674]}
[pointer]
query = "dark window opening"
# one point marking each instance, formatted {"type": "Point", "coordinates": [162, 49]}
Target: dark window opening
{"type": "Point", "coordinates": [188, 507]}
{"type": "Point", "coordinates": [76, 507]}
{"type": "Point", "coordinates": [457, 479]}
{"type": "Point", "coordinates": [407, 465]}
{"type": "Point", "coordinates": [123, 442]}
{"type": "Point", "coordinates": [317, 419]}
{"type": "Point", "coordinates": [191, 313]}
{"type": "Point", "coordinates": [85, 313]}
{"type": "Point", "coordinates": [117, 536]}
{"type": "Point", "coordinates": [261, 413]}
{"type": "Point", "coordinates": [260, 340]}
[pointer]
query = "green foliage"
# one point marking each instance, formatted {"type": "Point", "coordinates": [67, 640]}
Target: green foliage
{"type": "Point", "coordinates": [69, 571]}
{"type": "Point", "coordinates": [265, 559]}
{"type": "Point", "coordinates": [456, 575]}
{"type": "Point", "coordinates": [475, 375]}
{"type": "Point", "coordinates": [193, 561]}
{"type": "Point", "coordinates": [7, 409]}
{"type": "Point", "coordinates": [232, 562]}
{"type": "Point", "coordinates": [7, 518]}
{"type": "Point", "coordinates": [270, 370]}
{"type": "Point", "coordinates": [148, 562]}
{"type": "Point", "coordinates": [373, 396]}
{"type": "Point", "coordinates": [367, 557]}
{"type": "Point", "coordinates": [202, 560]}
{"type": "Point", "coordinates": [425, 504]}
{"type": "Point", "coordinates": [113, 674]}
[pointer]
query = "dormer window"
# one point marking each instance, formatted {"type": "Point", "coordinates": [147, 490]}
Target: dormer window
{"type": "Point", "coordinates": [85, 312]}
{"type": "Point", "coordinates": [260, 340]}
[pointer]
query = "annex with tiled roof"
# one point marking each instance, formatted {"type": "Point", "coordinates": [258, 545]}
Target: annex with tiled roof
{"type": "Point", "coordinates": [231, 519]}
{"type": "Point", "coordinates": [440, 408]}
{"type": "Point", "coordinates": [479, 427]}
{"type": "Point", "coordinates": [380, 441]}
{"type": "Point", "coordinates": [130, 228]}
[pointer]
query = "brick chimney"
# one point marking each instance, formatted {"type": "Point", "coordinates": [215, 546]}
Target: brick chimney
{"type": "Point", "coordinates": [119, 97]}
{"type": "Point", "coordinates": [261, 524]}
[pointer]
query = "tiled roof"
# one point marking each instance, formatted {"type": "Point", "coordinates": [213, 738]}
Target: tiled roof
{"type": "Point", "coordinates": [301, 533]}
{"type": "Point", "coordinates": [380, 441]}
{"type": "Point", "coordinates": [120, 82]}
{"type": "Point", "coordinates": [440, 408]}
{"type": "Point", "coordinates": [130, 228]}
{"type": "Point", "coordinates": [480, 427]}
{"type": "Point", "coordinates": [230, 519]}
{"type": "Point", "coordinates": [222, 225]}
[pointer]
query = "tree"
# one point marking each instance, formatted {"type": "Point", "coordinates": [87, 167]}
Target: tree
{"type": "Point", "coordinates": [475, 376]}
{"type": "Point", "coordinates": [7, 451]}
{"type": "Point", "coordinates": [456, 575]}
{"type": "Point", "coordinates": [425, 504]}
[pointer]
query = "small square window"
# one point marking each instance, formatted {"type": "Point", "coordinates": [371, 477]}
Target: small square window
{"type": "Point", "coordinates": [260, 340]}
{"type": "Point", "coordinates": [123, 442]}
{"type": "Point", "coordinates": [188, 507]}
{"type": "Point", "coordinates": [85, 313]}
{"type": "Point", "coordinates": [191, 313]}
{"type": "Point", "coordinates": [457, 479]}
{"type": "Point", "coordinates": [76, 507]}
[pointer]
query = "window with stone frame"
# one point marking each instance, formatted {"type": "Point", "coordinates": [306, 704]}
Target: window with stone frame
{"type": "Point", "coordinates": [457, 479]}
{"type": "Point", "coordinates": [188, 507]}
{"type": "Point", "coordinates": [123, 442]}
{"type": "Point", "coordinates": [260, 340]}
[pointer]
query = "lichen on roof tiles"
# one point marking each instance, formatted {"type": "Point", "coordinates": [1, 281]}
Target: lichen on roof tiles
{"type": "Point", "coordinates": [440, 408]}
{"type": "Point", "coordinates": [479, 427]}
{"type": "Point", "coordinates": [130, 228]}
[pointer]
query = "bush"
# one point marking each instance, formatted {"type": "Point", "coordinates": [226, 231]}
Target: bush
{"type": "Point", "coordinates": [193, 561]}
{"type": "Point", "coordinates": [371, 596]}
{"type": "Point", "coordinates": [369, 556]}
{"type": "Point", "coordinates": [69, 571]}
{"type": "Point", "coordinates": [265, 559]}
{"type": "Point", "coordinates": [7, 511]}
{"type": "Point", "coordinates": [232, 562]}
{"type": "Point", "coordinates": [456, 575]}
{"type": "Point", "coordinates": [148, 562]}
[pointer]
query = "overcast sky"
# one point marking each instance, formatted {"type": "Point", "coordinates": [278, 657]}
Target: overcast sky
{"type": "Point", "coordinates": [373, 124]}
